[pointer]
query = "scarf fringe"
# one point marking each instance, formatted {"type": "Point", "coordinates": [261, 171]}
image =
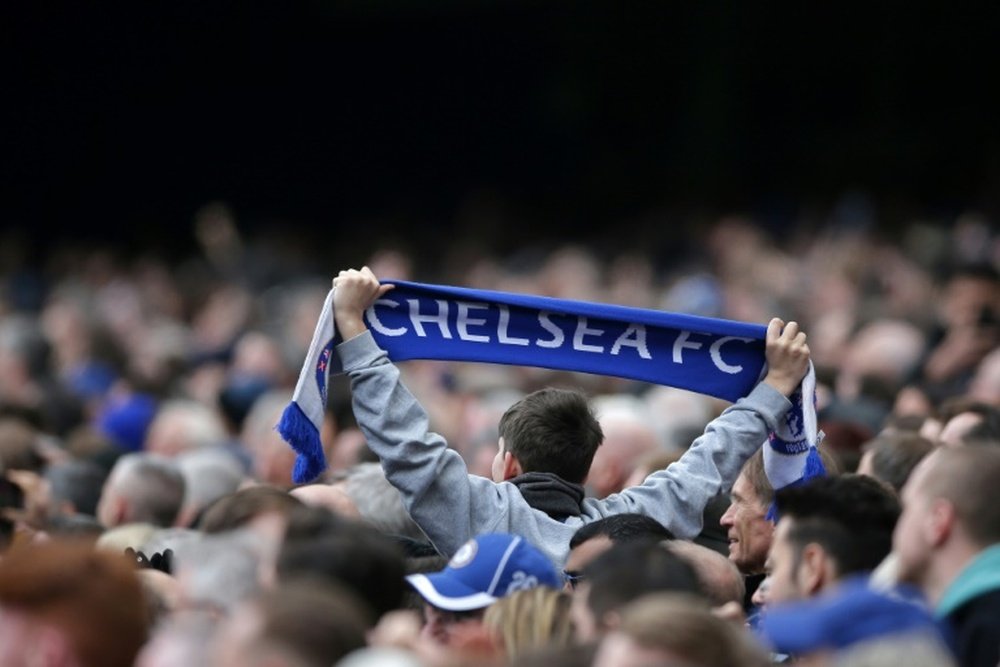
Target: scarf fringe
{"type": "Point", "coordinates": [302, 435]}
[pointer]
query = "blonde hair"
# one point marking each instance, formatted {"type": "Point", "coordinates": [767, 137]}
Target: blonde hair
{"type": "Point", "coordinates": [530, 620]}
{"type": "Point", "coordinates": [120, 538]}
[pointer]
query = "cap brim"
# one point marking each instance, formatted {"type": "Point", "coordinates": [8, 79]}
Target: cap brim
{"type": "Point", "coordinates": [794, 628]}
{"type": "Point", "coordinates": [444, 592]}
{"type": "Point", "coordinates": [849, 614]}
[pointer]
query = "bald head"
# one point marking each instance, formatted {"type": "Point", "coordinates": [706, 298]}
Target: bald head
{"type": "Point", "coordinates": [966, 477]}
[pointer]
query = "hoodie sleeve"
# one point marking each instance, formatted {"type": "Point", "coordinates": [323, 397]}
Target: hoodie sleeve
{"type": "Point", "coordinates": [448, 504]}
{"type": "Point", "coordinates": [677, 495]}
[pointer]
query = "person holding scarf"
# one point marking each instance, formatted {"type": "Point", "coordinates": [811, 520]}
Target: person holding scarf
{"type": "Point", "coordinates": [547, 443]}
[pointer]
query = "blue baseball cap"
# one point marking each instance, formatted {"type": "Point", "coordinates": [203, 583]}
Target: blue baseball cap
{"type": "Point", "coordinates": [125, 420]}
{"type": "Point", "coordinates": [852, 613]}
{"type": "Point", "coordinates": [484, 570]}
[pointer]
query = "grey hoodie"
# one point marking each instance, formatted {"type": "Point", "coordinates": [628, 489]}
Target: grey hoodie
{"type": "Point", "coordinates": [451, 506]}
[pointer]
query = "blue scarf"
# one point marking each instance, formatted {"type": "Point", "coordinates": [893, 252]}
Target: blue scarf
{"type": "Point", "coordinates": [720, 358]}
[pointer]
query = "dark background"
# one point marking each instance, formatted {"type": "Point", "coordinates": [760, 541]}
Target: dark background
{"type": "Point", "coordinates": [593, 120]}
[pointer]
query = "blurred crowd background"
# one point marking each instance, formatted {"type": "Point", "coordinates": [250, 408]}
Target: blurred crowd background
{"type": "Point", "coordinates": [100, 347]}
{"type": "Point", "coordinates": [138, 396]}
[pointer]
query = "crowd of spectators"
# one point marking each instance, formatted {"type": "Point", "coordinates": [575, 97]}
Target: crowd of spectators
{"type": "Point", "coordinates": [149, 514]}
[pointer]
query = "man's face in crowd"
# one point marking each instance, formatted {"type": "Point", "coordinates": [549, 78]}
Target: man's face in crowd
{"type": "Point", "coordinates": [583, 554]}
{"type": "Point", "coordinates": [910, 540]}
{"type": "Point", "coordinates": [586, 626]}
{"type": "Point", "coordinates": [783, 566]}
{"type": "Point", "coordinates": [749, 532]}
{"type": "Point", "coordinates": [440, 625]}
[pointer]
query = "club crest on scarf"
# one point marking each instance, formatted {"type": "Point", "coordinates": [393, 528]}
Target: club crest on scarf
{"type": "Point", "coordinates": [323, 369]}
{"type": "Point", "coordinates": [792, 437]}
{"type": "Point", "coordinates": [790, 454]}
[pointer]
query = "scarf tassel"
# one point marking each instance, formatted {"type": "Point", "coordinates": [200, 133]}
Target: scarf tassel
{"type": "Point", "coordinates": [302, 435]}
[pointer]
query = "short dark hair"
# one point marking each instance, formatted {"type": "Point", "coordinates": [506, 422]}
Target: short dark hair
{"type": "Point", "coordinates": [967, 477]}
{"type": "Point", "coordinates": [622, 528]}
{"type": "Point", "coordinates": [851, 516]}
{"type": "Point", "coordinates": [552, 430]}
{"type": "Point", "coordinates": [320, 544]}
{"type": "Point", "coordinates": [628, 571]}
{"type": "Point", "coordinates": [895, 455]}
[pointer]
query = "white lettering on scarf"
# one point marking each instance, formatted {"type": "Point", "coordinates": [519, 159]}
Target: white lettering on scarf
{"type": "Point", "coordinates": [585, 338]}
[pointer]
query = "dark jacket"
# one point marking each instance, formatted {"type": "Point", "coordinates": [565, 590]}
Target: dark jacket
{"type": "Point", "coordinates": [976, 630]}
{"type": "Point", "coordinates": [970, 608]}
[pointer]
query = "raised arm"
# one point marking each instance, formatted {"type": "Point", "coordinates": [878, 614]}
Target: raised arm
{"type": "Point", "coordinates": [676, 496]}
{"type": "Point", "coordinates": [448, 504]}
